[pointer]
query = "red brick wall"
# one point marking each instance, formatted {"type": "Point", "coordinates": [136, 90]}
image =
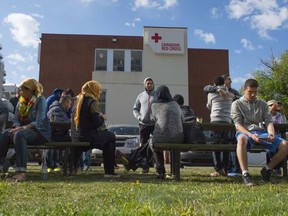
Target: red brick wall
{"type": "Point", "coordinates": [203, 66]}
{"type": "Point", "coordinates": [67, 61]}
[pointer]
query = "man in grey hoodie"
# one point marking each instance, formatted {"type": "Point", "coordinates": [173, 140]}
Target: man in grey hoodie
{"type": "Point", "coordinates": [220, 108]}
{"type": "Point", "coordinates": [248, 114]}
{"type": "Point", "coordinates": [142, 110]}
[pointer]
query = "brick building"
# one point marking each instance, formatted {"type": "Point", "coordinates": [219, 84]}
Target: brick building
{"type": "Point", "coordinates": [120, 64]}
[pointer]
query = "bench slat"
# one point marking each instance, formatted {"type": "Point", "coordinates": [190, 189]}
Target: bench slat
{"type": "Point", "coordinates": [202, 147]}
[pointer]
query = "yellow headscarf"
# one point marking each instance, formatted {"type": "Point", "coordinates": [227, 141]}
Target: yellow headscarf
{"type": "Point", "coordinates": [89, 89]}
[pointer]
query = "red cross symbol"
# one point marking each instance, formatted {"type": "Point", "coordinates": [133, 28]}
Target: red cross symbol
{"type": "Point", "coordinates": [156, 37]}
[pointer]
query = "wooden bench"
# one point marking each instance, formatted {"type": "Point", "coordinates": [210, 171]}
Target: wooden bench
{"type": "Point", "coordinates": [176, 148]}
{"type": "Point", "coordinates": [68, 147]}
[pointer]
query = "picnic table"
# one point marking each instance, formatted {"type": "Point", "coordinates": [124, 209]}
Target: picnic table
{"type": "Point", "coordinates": [176, 148]}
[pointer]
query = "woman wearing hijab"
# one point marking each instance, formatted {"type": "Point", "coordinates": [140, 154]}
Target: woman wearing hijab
{"type": "Point", "coordinates": [30, 127]}
{"type": "Point", "coordinates": [168, 129]}
{"type": "Point", "coordinates": [88, 125]}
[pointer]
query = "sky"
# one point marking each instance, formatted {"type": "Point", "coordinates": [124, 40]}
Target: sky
{"type": "Point", "coordinates": [252, 30]}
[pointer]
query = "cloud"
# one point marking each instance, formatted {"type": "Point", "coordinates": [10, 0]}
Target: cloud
{"type": "Point", "coordinates": [238, 51]}
{"type": "Point", "coordinates": [264, 16]}
{"type": "Point", "coordinates": [86, 1]}
{"type": "Point", "coordinates": [133, 23]}
{"type": "Point", "coordinates": [24, 29]}
{"type": "Point", "coordinates": [247, 44]}
{"type": "Point", "coordinates": [166, 4]}
{"type": "Point", "coordinates": [207, 37]}
{"type": "Point", "coordinates": [14, 58]}
{"type": "Point", "coordinates": [1, 36]}
{"type": "Point", "coordinates": [215, 13]}
{"type": "Point", "coordinates": [242, 79]}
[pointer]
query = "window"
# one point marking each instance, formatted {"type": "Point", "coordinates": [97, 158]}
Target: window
{"type": "Point", "coordinates": [136, 61]}
{"type": "Point", "coordinates": [102, 102]}
{"type": "Point", "coordinates": [110, 60]}
{"type": "Point", "coordinates": [118, 60]}
{"type": "Point", "coordinates": [101, 60]}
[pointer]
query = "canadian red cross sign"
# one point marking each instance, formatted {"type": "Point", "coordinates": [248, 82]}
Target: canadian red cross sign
{"type": "Point", "coordinates": [165, 41]}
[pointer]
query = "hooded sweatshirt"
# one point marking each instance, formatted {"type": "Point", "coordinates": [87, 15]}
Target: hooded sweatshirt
{"type": "Point", "coordinates": [250, 114]}
{"type": "Point", "coordinates": [220, 107]}
{"type": "Point", "coordinates": [168, 116]}
{"type": "Point", "coordinates": [54, 97]}
{"type": "Point", "coordinates": [142, 105]}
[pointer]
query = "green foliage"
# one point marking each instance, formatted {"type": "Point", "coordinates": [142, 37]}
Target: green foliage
{"type": "Point", "coordinates": [88, 193]}
{"type": "Point", "coordinates": [273, 82]}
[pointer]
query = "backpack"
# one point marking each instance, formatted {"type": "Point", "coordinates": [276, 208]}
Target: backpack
{"type": "Point", "coordinates": [193, 133]}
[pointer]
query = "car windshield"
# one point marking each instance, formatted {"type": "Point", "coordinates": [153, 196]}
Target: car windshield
{"type": "Point", "coordinates": [124, 130]}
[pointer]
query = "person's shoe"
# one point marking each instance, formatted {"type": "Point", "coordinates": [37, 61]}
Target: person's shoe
{"type": "Point", "coordinates": [218, 173]}
{"type": "Point", "coordinates": [56, 169]}
{"type": "Point", "coordinates": [8, 163]}
{"type": "Point", "coordinates": [145, 170]}
{"type": "Point", "coordinates": [247, 180]}
{"type": "Point", "coordinates": [265, 174]}
{"type": "Point", "coordinates": [160, 176]}
{"type": "Point", "coordinates": [49, 170]}
{"type": "Point", "coordinates": [123, 158]}
{"type": "Point", "coordinates": [114, 175]}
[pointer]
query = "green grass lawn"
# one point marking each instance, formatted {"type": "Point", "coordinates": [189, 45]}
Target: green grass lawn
{"type": "Point", "coordinates": [88, 193]}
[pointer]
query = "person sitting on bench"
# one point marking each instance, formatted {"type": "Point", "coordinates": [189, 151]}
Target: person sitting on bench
{"type": "Point", "coordinates": [248, 114]}
{"type": "Point", "coordinates": [30, 127]}
{"type": "Point", "coordinates": [168, 129]}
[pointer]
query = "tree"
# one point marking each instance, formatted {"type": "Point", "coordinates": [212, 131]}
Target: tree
{"type": "Point", "coordinates": [273, 82]}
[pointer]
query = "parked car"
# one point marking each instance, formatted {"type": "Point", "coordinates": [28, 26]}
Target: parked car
{"type": "Point", "coordinates": [191, 158]}
{"type": "Point", "coordinates": [127, 139]}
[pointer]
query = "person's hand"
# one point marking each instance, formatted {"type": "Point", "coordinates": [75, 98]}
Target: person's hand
{"type": "Point", "coordinates": [103, 116]}
{"type": "Point", "coordinates": [255, 137]}
{"type": "Point", "coordinates": [223, 93]}
{"type": "Point", "coordinates": [231, 95]}
{"type": "Point", "coordinates": [271, 137]}
{"type": "Point", "coordinates": [14, 130]}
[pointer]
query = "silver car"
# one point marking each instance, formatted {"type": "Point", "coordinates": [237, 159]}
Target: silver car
{"type": "Point", "coordinates": [127, 139]}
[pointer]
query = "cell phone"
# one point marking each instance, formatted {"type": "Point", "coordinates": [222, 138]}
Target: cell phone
{"type": "Point", "coordinates": [264, 137]}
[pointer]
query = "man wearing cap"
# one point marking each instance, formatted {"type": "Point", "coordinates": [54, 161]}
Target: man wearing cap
{"type": "Point", "coordinates": [142, 111]}
{"type": "Point", "coordinates": [277, 118]}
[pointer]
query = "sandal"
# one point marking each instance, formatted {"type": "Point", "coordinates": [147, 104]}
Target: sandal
{"type": "Point", "coordinates": [18, 177]}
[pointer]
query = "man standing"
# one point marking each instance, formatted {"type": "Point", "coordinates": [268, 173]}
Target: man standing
{"type": "Point", "coordinates": [142, 111]}
{"type": "Point", "coordinates": [225, 95]}
{"type": "Point", "coordinates": [248, 114]}
{"type": "Point", "coordinates": [220, 113]}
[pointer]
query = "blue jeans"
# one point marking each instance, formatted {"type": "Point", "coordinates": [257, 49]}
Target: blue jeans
{"type": "Point", "coordinates": [21, 139]}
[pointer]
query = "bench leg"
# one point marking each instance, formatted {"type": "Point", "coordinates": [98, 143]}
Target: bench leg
{"type": "Point", "coordinates": [66, 156]}
{"type": "Point", "coordinates": [175, 165]}
{"type": "Point", "coordinates": [284, 167]}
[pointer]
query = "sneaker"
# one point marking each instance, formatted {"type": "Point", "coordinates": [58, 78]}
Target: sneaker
{"type": "Point", "coordinates": [8, 163]}
{"type": "Point", "coordinates": [57, 169]}
{"type": "Point", "coordinates": [247, 180]}
{"type": "Point", "coordinates": [49, 170]}
{"type": "Point", "coordinates": [265, 174]}
{"type": "Point", "coordinates": [114, 175]}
